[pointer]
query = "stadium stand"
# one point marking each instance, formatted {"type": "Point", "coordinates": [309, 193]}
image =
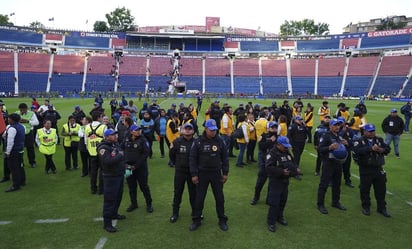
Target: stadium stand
{"type": "Point", "coordinates": [6, 61]}
{"type": "Point", "coordinates": [361, 56]}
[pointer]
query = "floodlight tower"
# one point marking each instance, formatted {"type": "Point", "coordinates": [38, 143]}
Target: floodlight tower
{"type": "Point", "coordinates": [175, 73]}
{"type": "Point", "coordinates": [147, 81]}
{"type": "Point", "coordinates": [117, 55]}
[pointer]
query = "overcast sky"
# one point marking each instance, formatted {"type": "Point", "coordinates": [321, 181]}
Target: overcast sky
{"type": "Point", "coordinates": [266, 14]}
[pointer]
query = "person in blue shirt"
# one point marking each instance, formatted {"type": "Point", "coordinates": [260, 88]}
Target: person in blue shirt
{"type": "Point", "coordinates": [160, 128]}
{"type": "Point", "coordinates": [147, 126]}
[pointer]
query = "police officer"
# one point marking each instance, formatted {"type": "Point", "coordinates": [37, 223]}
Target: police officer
{"type": "Point", "coordinates": [14, 140]}
{"type": "Point", "coordinates": [266, 143]}
{"type": "Point", "coordinates": [179, 155]}
{"type": "Point", "coordinates": [136, 150]}
{"type": "Point", "coordinates": [279, 166]}
{"type": "Point", "coordinates": [349, 135]}
{"type": "Point", "coordinates": [332, 159]}
{"type": "Point", "coordinates": [209, 164]}
{"type": "Point", "coordinates": [297, 133]}
{"type": "Point", "coordinates": [93, 136]}
{"type": "Point", "coordinates": [111, 157]}
{"type": "Point", "coordinates": [320, 130]}
{"type": "Point", "coordinates": [371, 150]}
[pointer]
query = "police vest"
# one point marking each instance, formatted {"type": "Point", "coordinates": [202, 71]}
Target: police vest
{"type": "Point", "coordinates": [209, 151]}
{"type": "Point", "coordinates": [182, 153]}
{"type": "Point", "coordinates": [67, 141]}
{"type": "Point", "coordinates": [94, 137]}
{"type": "Point", "coordinates": [47, 141]}
{"type": "Point", "coordinates": [28, 115]}
{"type": "Point", "coordinates": [169, 133]}
{"type": "Point", "coordinates": [18, 144]}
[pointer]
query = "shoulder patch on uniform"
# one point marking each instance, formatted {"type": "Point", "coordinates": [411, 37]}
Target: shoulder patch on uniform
{"type": "Point", "coordinates": [268, 156]}
{"type": "Point", "coordinates": [102, 151]}
{"type": "Point", "coordinates": [214, 148]}
{"type": "Point", "coordinates": [355, 143]}
{"type": "Point", "coordinates": [321, 139]}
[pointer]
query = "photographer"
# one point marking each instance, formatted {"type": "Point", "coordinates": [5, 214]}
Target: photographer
{"type": "Point", "coordinates": [371, 151]}
{"type": "Point", "coordinates": [279, 166]}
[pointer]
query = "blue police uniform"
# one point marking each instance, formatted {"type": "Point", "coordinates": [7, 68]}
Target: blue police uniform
{"type": "Point", "coordinates": [371, 171]}
{"type": "Point", "coordinates": [276, 162]}
{"type": "Point", "coordinates": [331, 172]}
{"type": "Point", "coordinates": [265, 145]}
{"type": "Point", "coordinates": [112, 161]}
{"type": "Point", "coordinates": [320, 130]}
{"type": "Point", "coordinates": [136, 152]}
{"type": "Point", "coordinates": [209, 161]}
{"type": "Point", "coordinates": [179, 155]}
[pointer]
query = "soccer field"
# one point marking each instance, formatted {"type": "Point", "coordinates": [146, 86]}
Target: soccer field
{"type": "Point", "coordinates": [58, 211]}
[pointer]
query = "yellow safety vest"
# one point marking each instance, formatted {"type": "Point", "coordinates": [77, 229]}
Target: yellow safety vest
{"type": "Point", "coordinates": [309, 119]}
{"type": "Point", "coordinates": [47, 141]}
{"type": "Point", "coordinates": [94, 137]}
{"type": "Point", "coordinates": [261, 126]}
{"type": "Point", "coordinates": [345, 115]}
{"type": "Point", "coordinates": [356, 123]}
{"type": "Point", "coordinates": [67, 141]}
{"type": "Point", "coordinates": [324, 111]}
{"type": "Point", "coordinates": [169, 134]}
{"type": "Point", "coordinates": [229, 125]}
{"type": "Point", "coordinates": [28, 116]}
{"type": "Point", "coordinates": [284, 129]}
{"type": "Point", "coordinates": [251, 134]}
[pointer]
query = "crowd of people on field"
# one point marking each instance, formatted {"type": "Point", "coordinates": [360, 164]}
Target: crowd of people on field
{"type": "Point", "coordinates": [118, 144]}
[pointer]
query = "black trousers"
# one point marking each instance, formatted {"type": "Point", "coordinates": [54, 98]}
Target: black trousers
{"type": "Point", "coordinates": [309, 132]}
{"type": "Point", "coordinates": [377, 179]}
{"type": "Point", "coordinates": [318, 163]}
{"type": "Point", "coordinates": [297, 150]}
{"type": "Point", "coordinates": [180, 179]}
{"type": "Point", "coordinates": [331, 172]}
{"type": "Point", "coordinates": [277, 198]}
{"type": "Point", "coordinates": [15, 165]}
{"type": "Point", "coordinates": [69, 155]}
{"type": "Point", "coordinates": [250, 150]}
{"type": "Point", "coordinates": [162, 142]}
{"type": "Point", "coordinates": [346, 168]}
{"type": "Point", "coordinates": [84, 156]}
{"type": "Point", "coordinates": [262, 176]}
{"type": "Point", "coordinates": [214, 178]}
{"type": "Point", "coordinates": [49, 163]}
{"type": "Point", "coordinates": [139, 176]}
{"type": "Point", "coordinates": [113, 192]}
{"type": "Point", "coordinates": [29, 144]}
{"type": "Point", "coordinates": [95, 173]}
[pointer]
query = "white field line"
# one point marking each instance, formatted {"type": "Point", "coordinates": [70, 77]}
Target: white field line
{"type": "Point", "coordinates": [100, 243]}
{"type": "Point", "coordinates": [51, 220]}
{"type": "Point", "coordinates": [5, 222]}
